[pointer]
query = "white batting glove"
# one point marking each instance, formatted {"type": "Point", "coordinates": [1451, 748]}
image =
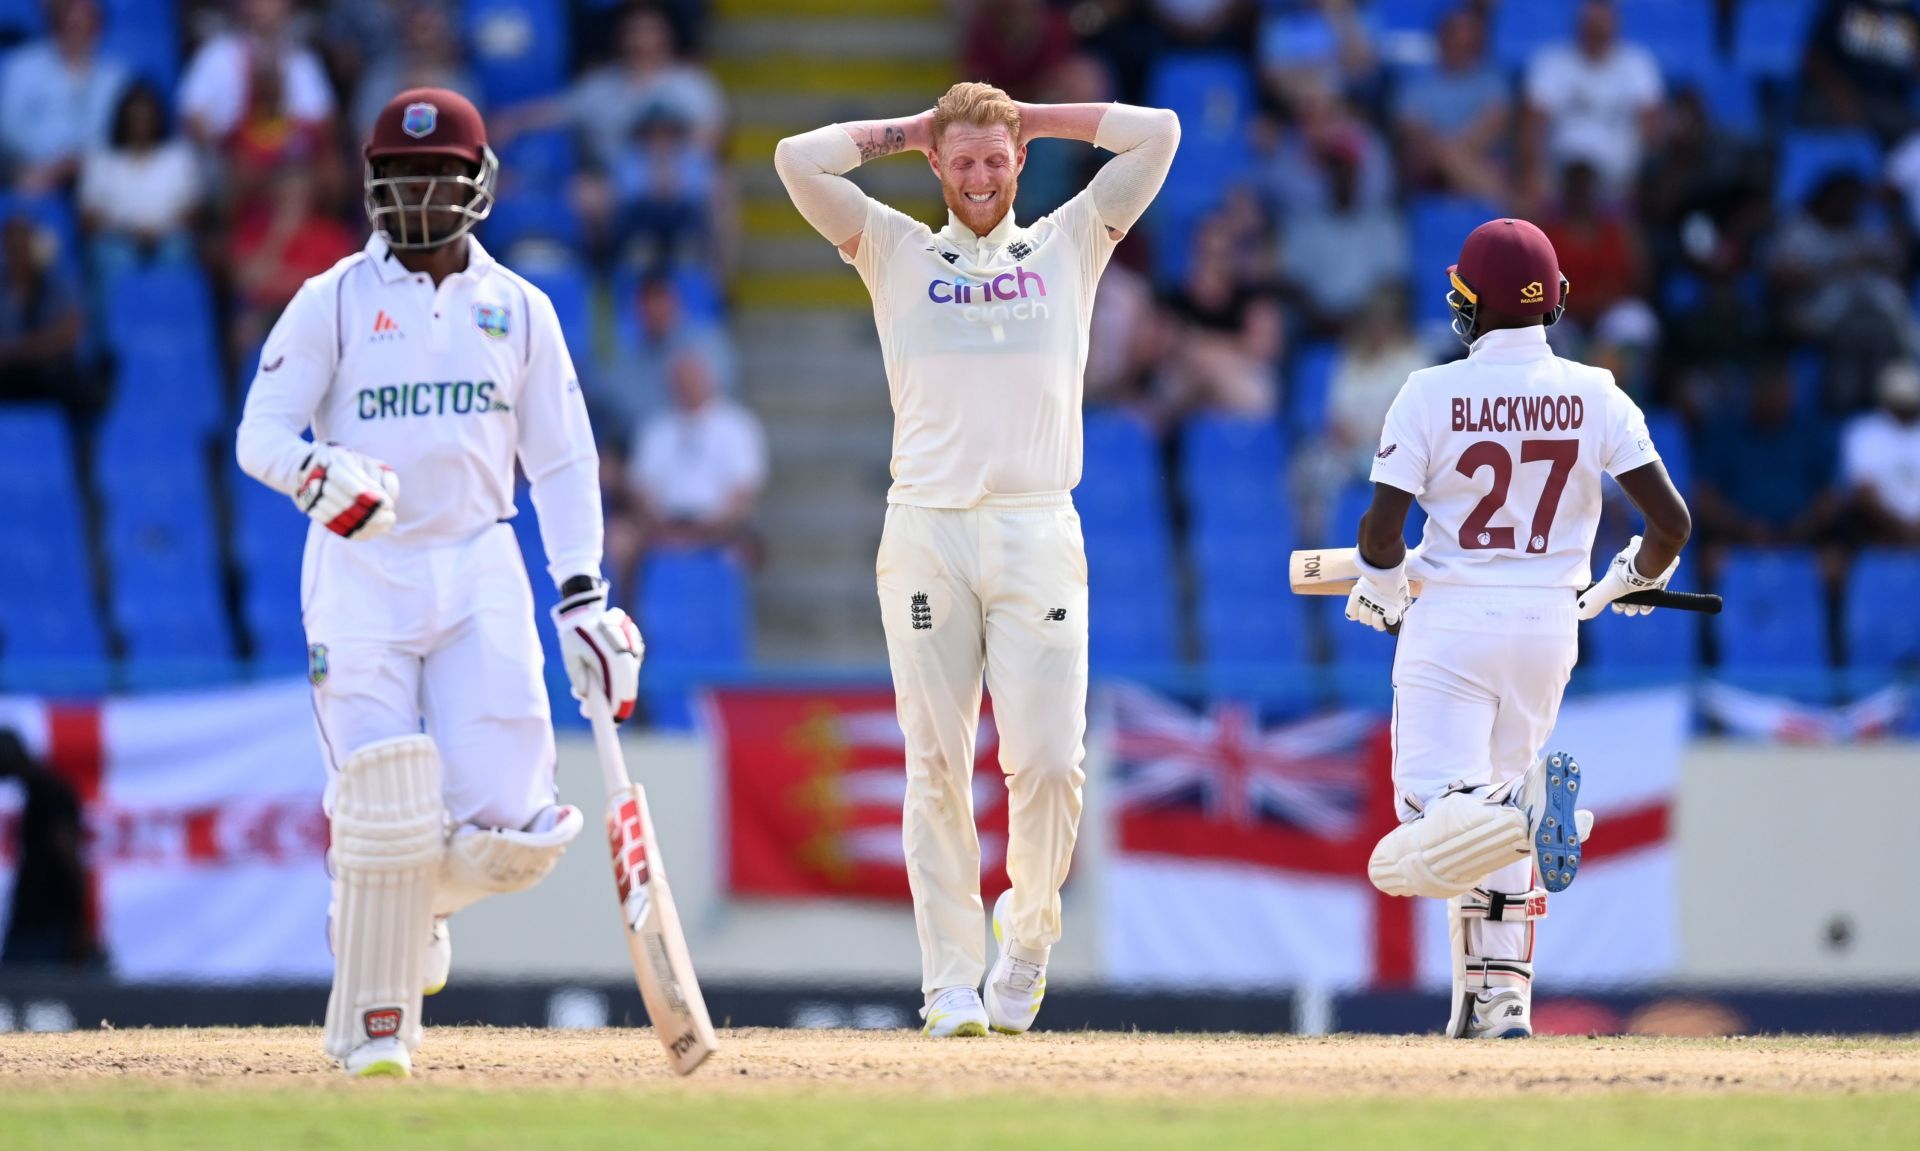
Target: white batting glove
{"type": "Point", "coordinates": [1380, 597]}
{"type": "Point", "coordinates": [352, 495]}
{"type": "Point", "coordinates": [601, 647]}
{"type": "Point", "coordinates": [1623, 578]}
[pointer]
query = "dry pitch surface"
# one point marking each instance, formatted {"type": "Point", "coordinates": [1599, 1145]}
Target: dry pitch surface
{"type": "Point", "coordinates": [799, 1089]}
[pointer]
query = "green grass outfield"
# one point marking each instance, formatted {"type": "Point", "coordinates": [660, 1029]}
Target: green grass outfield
{"type": "Point", "coordinates": [150, 1117]}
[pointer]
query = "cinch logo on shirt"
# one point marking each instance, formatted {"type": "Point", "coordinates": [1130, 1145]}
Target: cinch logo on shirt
{"type": "Point", "coordinates": [1014, 285]}
{"type": "Point", "coordinates": [440, 398]}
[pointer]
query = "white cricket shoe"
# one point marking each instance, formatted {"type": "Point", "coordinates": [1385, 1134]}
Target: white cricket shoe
{"type": "Point", "coordinates": [954, 1013]}
{"type": "Point", "coordinates": [379, 1059]}
{"type": "Point", "coordinates": [1014, 986]}
{"type": "Point", "coordinates": [1502, 1014]}
{"type": "Point", "coordinates": [438, 962]}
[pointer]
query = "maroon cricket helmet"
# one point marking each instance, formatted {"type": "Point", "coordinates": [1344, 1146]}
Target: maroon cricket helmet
{"type": "Point", "coordinates": [428, 122]}
{"type": "Point", "coordinates": [1506, 266]}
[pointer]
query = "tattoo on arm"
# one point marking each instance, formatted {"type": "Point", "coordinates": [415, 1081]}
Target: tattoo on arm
{"type": "Point", "coordinates": [882, 141]}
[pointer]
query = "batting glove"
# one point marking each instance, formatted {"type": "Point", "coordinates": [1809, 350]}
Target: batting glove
{"type": "Point", "coordinates": [1623, 578]}
{"type": "Point", "coordinates": [1380, 597]}
{"type": "Point", "coordinates": [601, 648]}
{"type": "Point", "coordinates": [352, 495]}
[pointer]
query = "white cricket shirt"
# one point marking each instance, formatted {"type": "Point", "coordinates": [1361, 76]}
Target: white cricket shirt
{"type": "Point", "coordinates": [447, 385]}
{"type": "Point", "coordinates": [985, 343]}
{"type": "Point", "coordinates": [1505, 450]}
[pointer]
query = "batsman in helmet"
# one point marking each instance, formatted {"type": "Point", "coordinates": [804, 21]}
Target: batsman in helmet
{"type": "Point", "coordinates": [425, 370]}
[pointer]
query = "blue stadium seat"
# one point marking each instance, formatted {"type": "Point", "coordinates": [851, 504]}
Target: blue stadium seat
{"type": "Point", "coordinates": [1409, 15]}
{"type": "Point", "coordinates": [1131, 630]}
{"type": "Point", "coordinates": [268, 541]}
{"type": "Point", "coordinates": [1665, 643]}
{"type": "Point", "coordinates": [1770, 36]}
{"type": "Point", "coordinates": [1120, 479]}
{"type": "Point", "coordinates": [694, 610]}
{"type": "Point", "coordinates": [1214, 96]}
{"type": "Point", "coordinates": [22, 20]}
{"type": "Point", "coordinates": [166, 586]}
{"type": "Point", "coordinates": [1438, 226]}
{"type": "Point", "coordinates": [1727, 93]}
{"type": "Point", "coordinates": [526, 531]}
{"type": "Point", "coordinates": [571, 291]}
{"type": "Point", "coordinates": [1806, 158]}
{"type": "Point", "coordinates": [541, 160]}
{"type": "Point", "coordinates": [1520, 28]}
{"type": "Point", "coordinates": [146, 37]}
{"type": "Point", "coordinates": [1247, 615]}
{"type": "Point", "coordinates": [701, 299]}
{"type": "Point", "coordinates": [46, 644]}
{"type": "Point", "coordinates": [1882, 627]}
{"type": "Point", "coordinates": [1679, 33]}
{"type": "Point", "coordinates": [519, 48]}
{"type": "Point", "coordinates": [1775, 616]}
{"type": "Point", "coordinates": [1232, 473]}
{"type": "Point", "coordinates": [531, 215]}
{"type": "Point", "coordinates": [1308, 387]}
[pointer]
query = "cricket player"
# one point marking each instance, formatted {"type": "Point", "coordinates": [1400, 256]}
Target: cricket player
{"type": "Point", "coordinates": [1505, 451]}
{"type": "Point", "coordinates": [422, 361]}
{"type": "Point", "coordinates": [983, 326]}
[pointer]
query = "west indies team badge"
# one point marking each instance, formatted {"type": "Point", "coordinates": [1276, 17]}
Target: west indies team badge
{"type": "Point", "coordinates": [491, 319]}
{"type": "Point", "coordinates": [419, 120]}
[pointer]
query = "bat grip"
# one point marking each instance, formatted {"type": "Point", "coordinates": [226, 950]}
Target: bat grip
{"type": "Point", "coordinates": [606, 742]}
{"type": "Point", "coordinates": [1702, 602]}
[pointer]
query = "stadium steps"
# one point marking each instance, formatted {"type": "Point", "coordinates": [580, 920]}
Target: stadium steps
{"type": "Point", "coordinates": [810, 358]}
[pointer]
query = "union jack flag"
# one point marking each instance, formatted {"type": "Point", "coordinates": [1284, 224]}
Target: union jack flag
{"type": "Point", "coordinates": [1241, 775]}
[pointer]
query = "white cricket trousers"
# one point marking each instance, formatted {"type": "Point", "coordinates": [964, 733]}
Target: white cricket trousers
{"type": "Point", "coordinates": [1000, 588]}
{"type": "Point", "coordinates": [1477, 680]}
{"type": "Point", "coordinates": [400, 635]}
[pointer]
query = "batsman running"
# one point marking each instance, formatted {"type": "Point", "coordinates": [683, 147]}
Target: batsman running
{"type": "Point", "coordinates": [423, 359]}
{"type": "Point", "coordinates": [983, 326]}
{"type": "Point", "coordinates": [1505, 451]}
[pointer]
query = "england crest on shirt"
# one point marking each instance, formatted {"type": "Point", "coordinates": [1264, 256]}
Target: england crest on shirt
{"type": "Point", "coordinates": [491, 319]}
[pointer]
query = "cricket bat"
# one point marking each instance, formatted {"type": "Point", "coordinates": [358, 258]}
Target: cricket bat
{"type": "Point", "coordinates": [1332, 571]}
{"type": "Point", "coordinates": [661, 964]}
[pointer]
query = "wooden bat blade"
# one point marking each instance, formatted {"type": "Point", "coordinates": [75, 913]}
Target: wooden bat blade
{"type": "Point", "coordinates": [662, 966]}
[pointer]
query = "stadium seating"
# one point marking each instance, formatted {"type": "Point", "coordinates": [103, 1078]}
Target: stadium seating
{"type": "Point", "coordinates": [519, 48]}
{"type": "Point", "coordinates": [1670, 439]}
{"type": "Point", "coordinates": [1247, 616]}
{"type": "Point", "coordinates": [268, 540]}
{"type": "Point", "coordinates": [1519, 29]}
{"type": "Point", "coordinates": [1806, 158]}
{"type": "Point", "coordinates": [1232, 475]}
{"type": "Point", "coordinates": [1775, 617]}
{"type": "Point", "coordinates": [693, 607]}
{"type": "Point", "coordinates": [1882, 628]}
{"type": "Point", "coordinates": [1679, 33]}
{"type": "Point", "coordinates": [167, 592]}
{"type": "Point", "coordinates": [145, 34]}
{"type": "Point", "coordinates": [50, 638]}
{"type": "Point", "coordinates": [1663, 645]}
{"type": "Point", "coordinates": [1309, 386]}
{"type": "Point", "coordinates": [1728, 94]}
{"type": "Point", "coordinates": [567, 285]}
{"type": "Point", "coordinates": [1214, 95]}
{"type": "Point", "coordinates": [1439, 225]}
{"type": "Point", "coordinates": [1769, 36]}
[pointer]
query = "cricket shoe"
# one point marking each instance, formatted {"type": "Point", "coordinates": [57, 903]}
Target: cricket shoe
{"type": "Point", "coordinates": [955, 1013]}
{"type": "Point", "coordinates": [379, 1059]}
{"type": "Point", "coordinates": [1502, 1014]}
{"type": "Point", "coordinates": [438, 962]}
{"type": "Point", "coordinates": [1547, 795]}
{"type": "Point", "coordinates": [1015, 986]}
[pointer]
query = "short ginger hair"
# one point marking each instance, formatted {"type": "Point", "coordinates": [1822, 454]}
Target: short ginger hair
{"type": "Point", "coordinates": [980, 105]}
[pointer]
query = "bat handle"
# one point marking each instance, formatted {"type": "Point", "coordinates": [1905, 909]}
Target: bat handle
{"type": "Point", "coordinates": [606, 741]}
{"type": "Point", "coordinates": [1702, 602]}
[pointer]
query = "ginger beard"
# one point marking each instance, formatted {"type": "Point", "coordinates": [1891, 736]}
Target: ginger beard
{"type": "Point", "coordinates": [979, 170]}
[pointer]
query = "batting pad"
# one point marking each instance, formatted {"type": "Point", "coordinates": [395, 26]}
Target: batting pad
{"type": "Point", "coordinates": [388, 839]}
{"type": "Point", "coordinates": [483, 861]}
{"type": "Point", "coordinates": [1460, 840]}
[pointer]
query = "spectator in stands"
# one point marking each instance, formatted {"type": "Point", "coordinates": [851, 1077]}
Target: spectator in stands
{"type": "Point", "coordinates": [1124, 35]}
{"type": "Point", "coordinates": [1597, 99]}
{"type": "Point", "coordinates": [1764, 478]}
{"type": "Point", "coordinates": [1880, 461]}
{"type": "Point", "coordinates": [41, 324]}
{"type": "Point", "coordinates": [1599, 245]}
{"type": "Point", "coordinates": [138, 195]}
{"type": "Point", "coordinates": [57, 98]}
{"type": "Point", "coordinates": [273, 252]}
{"type": "Point", "coordinates": [425, 52]}
{"type": "Point", "coordinates": [663, 186]}
{"type": "Point", "coordinates": [694, 474]}
{"type": "Point", "coordinates": [1226, 24]}
{"type": "Point", "coordinates": [1293, 173]}
{"type": "Point", "coordinates": [607, 105]}
{"type": "Point", "coordinates": [1336, 258]}
{"type": "Point", "coordinates": [635, 383]}
{"type": "Point", "coordinates": [1016, 44]}
{"type": "Point", "coordinates": [1453, 121]}
{"type": "Point", "coordinates": [1862, 59]}
{"type": "Point", "coordinates": [1377, 355]}
{"type": "Point", "coordinates": [221, 81]}
{"type": "Point", "coordinates": [48, 924]}
{"type": "Point", "coordinates": [1128, 340]}
{"type": "Point", "coordinates": [1322, 43]}
{"type": "Point", "coordinates": [1056, 169]}
{"type": "Point", "coordinates": [1229, 332]}
{"type": "Point", "coordinates": [1834, 273]}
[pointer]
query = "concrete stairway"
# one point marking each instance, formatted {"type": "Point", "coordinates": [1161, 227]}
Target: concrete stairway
{"type": "Point", "coordinates": [810, 360]}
